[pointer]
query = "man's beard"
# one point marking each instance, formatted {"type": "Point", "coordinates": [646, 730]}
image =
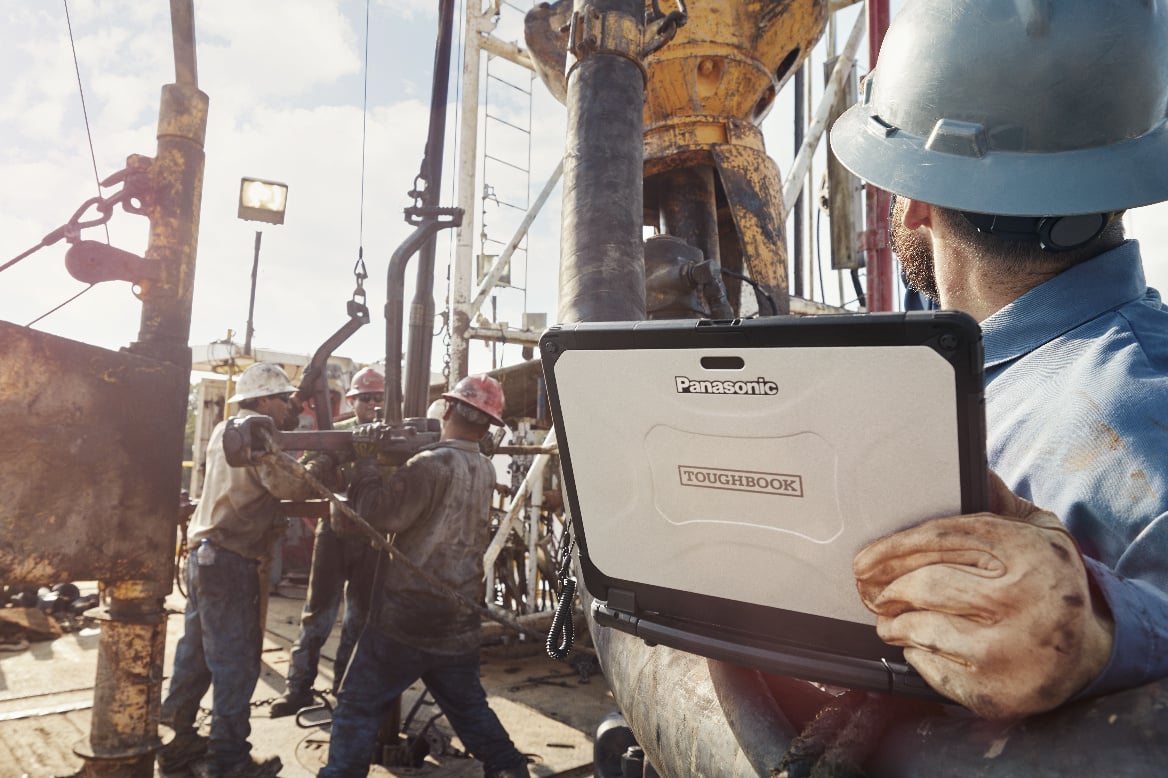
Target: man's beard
{"type": "Point", "coordinates": [915, 253]}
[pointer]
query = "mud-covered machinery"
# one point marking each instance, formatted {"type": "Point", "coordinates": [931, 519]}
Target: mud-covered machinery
{"type": "Point", "coordinates": [711, 72]}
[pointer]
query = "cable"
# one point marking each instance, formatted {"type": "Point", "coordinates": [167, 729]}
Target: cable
{"type": "Point", "coordinates": [23, 255]}
{"type": "Point", "coordinates": [84, 112]}
{"type": "Point", "coordinates": [757, 288]}
{"type": "Point", "coordinates": [364, 118]}
{"type": "Point", "coordinates": [457, 103]}
{"type": "Point", "coordinates": [819, 253]}
{"type": "Point", "coordinates": [92, 159]}
{"type": "Point", "coordinates": [59, 307]}
{"type": "Point", "coordinates": [860, 296]}
{"type": "Point", "coordinates": [451, 241]}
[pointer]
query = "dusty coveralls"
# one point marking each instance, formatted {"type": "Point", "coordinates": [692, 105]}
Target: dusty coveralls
{"type": "Point", "coordinates": [437, 503]}
{"type": "Point", "coordinates": [234, 527]}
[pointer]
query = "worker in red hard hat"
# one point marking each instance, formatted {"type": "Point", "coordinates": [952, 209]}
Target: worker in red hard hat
{"type": "Point", "coordinates": [367, 387]}
{"type": "Point", "coordinates": [438, 505]}
{"type": "Point", "coordinates": [343, 568]}
{"type": "Point", "coordinates": [482, 393]}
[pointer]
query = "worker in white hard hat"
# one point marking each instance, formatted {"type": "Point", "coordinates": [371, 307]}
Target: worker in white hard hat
{"type": "Point", "coordinates": [438, 505]}
{"type": "Point", "coordinates": [343, 569]}
{"type": "Point", "coordinates": [233, 529]}
{"type": "Point", "coordinates": [1013, 136]}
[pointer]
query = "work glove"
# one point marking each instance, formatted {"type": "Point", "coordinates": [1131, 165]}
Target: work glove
{"type": "Point", "coordinates": [994, 610]}
{"type": "Point", "coordinates": [323, 467]}
{"type": "Point", "coordinates": [366, 470]}
{"type": "Point", "coordinates": [365, 439]}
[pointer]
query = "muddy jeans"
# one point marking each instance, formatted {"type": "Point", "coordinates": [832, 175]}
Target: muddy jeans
{"type": "Point", "coordinates": [220, 647]}
{"type": "Point", "coordinates": [381, 670]}
{"type": "Point", "coordinates": [341, 567]}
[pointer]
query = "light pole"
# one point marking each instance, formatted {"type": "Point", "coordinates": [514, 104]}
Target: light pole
{"type": "Point", "coordinates": [259, 201]}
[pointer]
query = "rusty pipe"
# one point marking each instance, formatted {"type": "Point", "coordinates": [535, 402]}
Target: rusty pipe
{"type": "Point", "coordinates": [126, 700]}
{"type": "Point", "coordinates": [128, 686]}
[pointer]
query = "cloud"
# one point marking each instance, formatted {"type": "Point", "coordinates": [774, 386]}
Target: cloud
{"type": "Point", "coordinates": [268, 50]}
{"type": "Point", "coordinates": [286, 85]}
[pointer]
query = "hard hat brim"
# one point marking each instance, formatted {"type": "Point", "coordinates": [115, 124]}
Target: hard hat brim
{"type": "Point", "coordinates": [239, 396]}
{"type": "Point", "coordinates": [1112, 178]}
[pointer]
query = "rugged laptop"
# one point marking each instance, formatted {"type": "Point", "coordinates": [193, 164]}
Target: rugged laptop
{"type": "Point", "coordinates": [721, 476]}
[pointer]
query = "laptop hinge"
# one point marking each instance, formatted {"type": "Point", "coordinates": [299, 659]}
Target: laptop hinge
{"type": "Point", "coordinates": [622, 600]}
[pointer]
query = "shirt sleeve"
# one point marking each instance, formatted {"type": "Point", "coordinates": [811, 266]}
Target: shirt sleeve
{"type": "Point", "coordinates": [282, 481]}
{"type": "Point", "coordinates": [1139, 653]}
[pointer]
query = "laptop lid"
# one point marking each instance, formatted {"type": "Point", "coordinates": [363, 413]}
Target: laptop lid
{"type": "Point", "coordinates": [721, 476]}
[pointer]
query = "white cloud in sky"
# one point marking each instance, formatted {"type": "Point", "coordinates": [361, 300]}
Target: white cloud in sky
{"type": "Point", "coordinates": [286, 85]}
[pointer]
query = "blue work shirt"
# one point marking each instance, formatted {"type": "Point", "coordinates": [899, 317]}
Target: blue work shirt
{"type": "Point", "coordinates": [1077, 415]}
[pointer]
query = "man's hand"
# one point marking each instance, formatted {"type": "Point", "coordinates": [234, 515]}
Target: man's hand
{"type": "Point", "coordinates": [993, 609]}
{"type": "Point", "coordinates": [324, 469]}
{"type": "Point", "coordinates": [365, 439]}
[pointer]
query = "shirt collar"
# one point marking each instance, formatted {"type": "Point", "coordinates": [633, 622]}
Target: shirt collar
{"type": "Point", "coordinates": [1066, 301]}
{"type": "Point", "coordinates": [462, 445]}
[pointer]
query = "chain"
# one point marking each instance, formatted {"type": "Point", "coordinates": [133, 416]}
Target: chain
{"type": "Point", "coordinates": [446, 350]}
{"type": "Point", "coordinates": [360, 274]}
{"type": "Point", "coordinates": [421, 184]}
{"type": "Point", "coordinates": [670, 23]}
{"type": "Point", "coordinates": [130, 197]}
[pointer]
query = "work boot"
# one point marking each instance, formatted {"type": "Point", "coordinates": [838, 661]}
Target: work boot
{"type": "Point", "coordinates": [251, 767]}
{"type": "Point", "coordinates": [291, 702]}
{"type": "Point", "coordinates": [185, 748]}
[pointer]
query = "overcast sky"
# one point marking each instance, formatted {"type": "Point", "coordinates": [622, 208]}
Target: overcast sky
{"type": "Point", "coordinates": [285, 80]}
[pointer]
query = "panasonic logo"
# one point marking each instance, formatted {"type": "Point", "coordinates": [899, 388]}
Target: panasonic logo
{"type": "Point", "coordinates": [759, 386]}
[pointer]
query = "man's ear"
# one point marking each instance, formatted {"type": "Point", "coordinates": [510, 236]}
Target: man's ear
{"type": "Point", "coordinates": [917, 214]}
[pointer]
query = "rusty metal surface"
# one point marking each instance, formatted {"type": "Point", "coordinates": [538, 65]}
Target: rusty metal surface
{"type": "Point", "coordinates": [90, 461]}
{"type": "Point", "coordinates": [176, 190]}
{"type": "Point", "coordinates": [124, 736]}
{"type": "Point", "coordinates": [545, 31]}
{"type": "Point", "coordinates": [731, 58]}
{"type": "Point", "coordinates": [754, 195]}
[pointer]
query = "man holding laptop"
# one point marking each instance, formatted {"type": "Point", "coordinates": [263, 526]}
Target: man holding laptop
{"type": "Point", "coordinates": [1013, 136]}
